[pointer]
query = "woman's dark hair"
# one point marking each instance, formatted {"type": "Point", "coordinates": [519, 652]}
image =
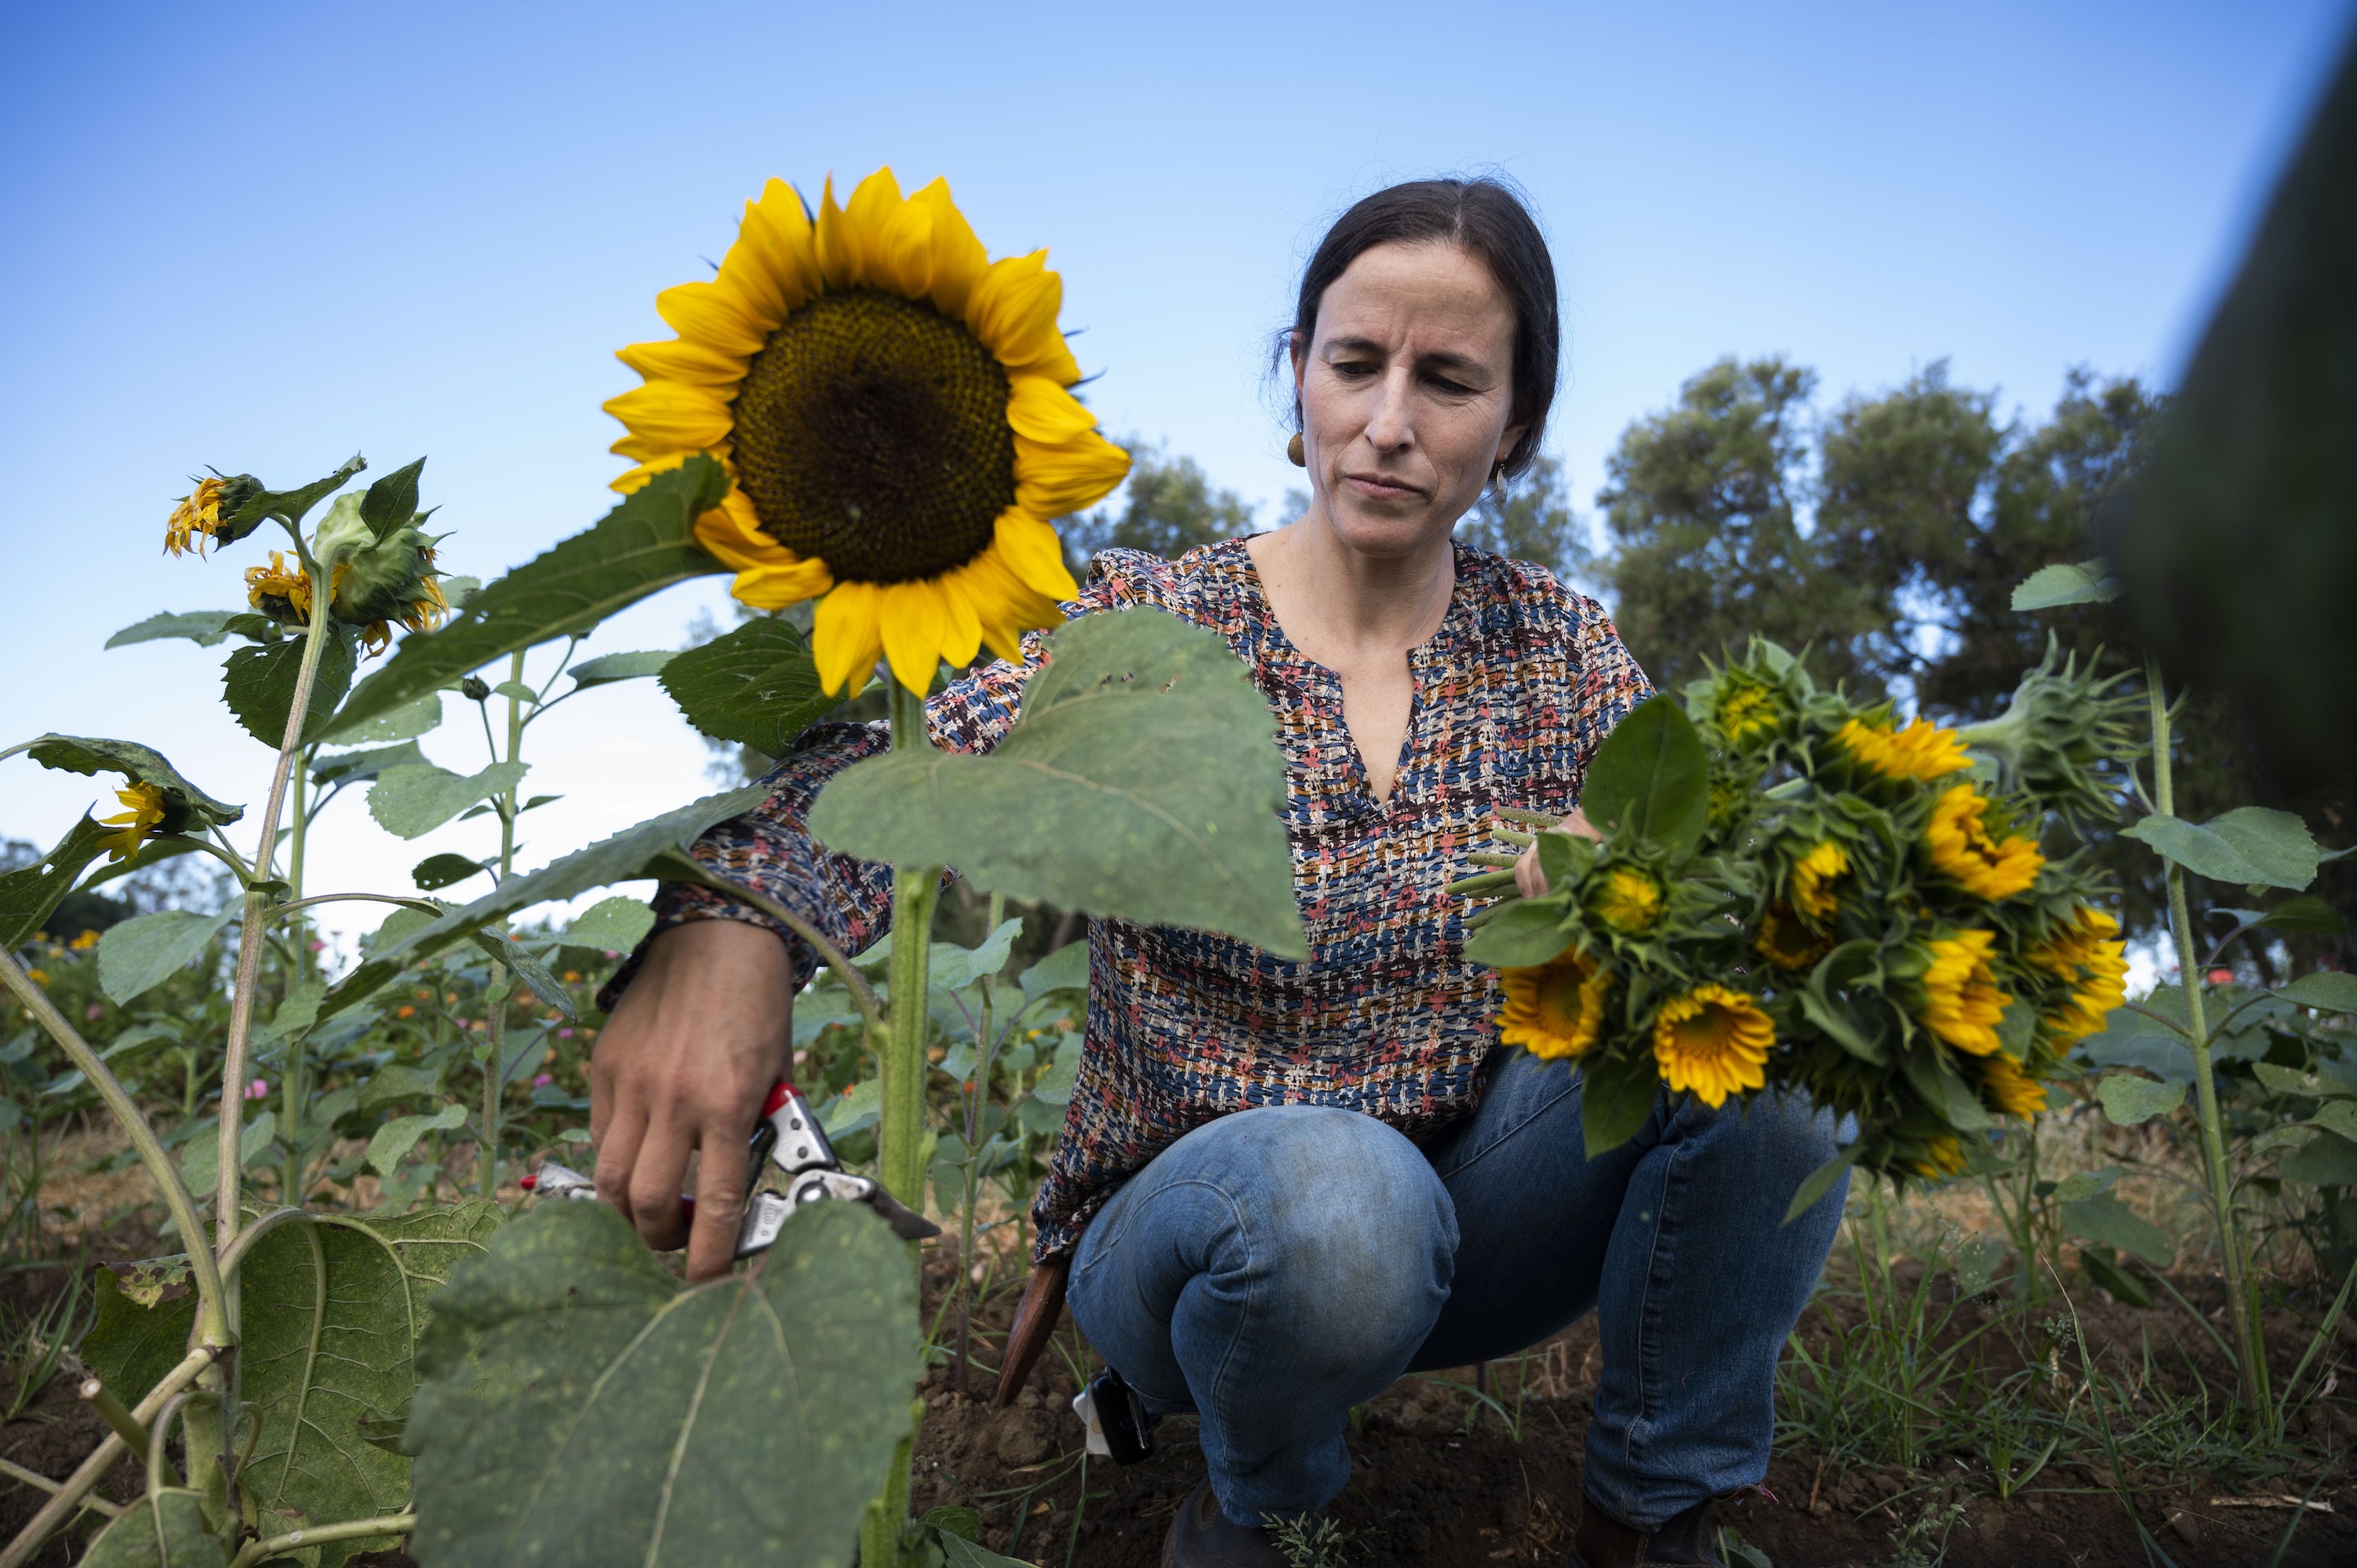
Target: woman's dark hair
{"type": "Point", "coordinates": [1485, 216]}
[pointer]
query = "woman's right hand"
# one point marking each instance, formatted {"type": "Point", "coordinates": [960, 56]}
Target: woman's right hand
{"type": "Point", "coordinates": [1529, 879]}
{"type": "Point", "coordinates": [705, 1029]}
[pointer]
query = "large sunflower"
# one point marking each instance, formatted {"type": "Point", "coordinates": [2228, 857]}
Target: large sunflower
{"type": "Point", "coordinates": [1961, 845]}
{"type": "Point", "coordinates": [1962, 1001]}
{"type": "Point", "coordinates": [1555, 1009]}
{"type": "Point", "coordinates": [1714, 1042]}
{"type": "Point", "coordinates": [892, 406]}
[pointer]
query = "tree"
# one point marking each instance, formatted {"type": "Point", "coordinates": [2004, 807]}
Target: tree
{"type": "Point", "coordinates": [1534, 523]}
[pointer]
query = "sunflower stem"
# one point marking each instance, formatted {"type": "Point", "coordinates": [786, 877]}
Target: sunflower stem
{"type": "Point", "coordinates": [2250, 1351]}
{"type": "Point", "coordinates": [299, 816]}
{"type": "Point", "coordinates": [502, 984]}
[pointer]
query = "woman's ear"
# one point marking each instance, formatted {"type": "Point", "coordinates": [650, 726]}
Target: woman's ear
{"type": "Point", "coordinates": [1507, 442]}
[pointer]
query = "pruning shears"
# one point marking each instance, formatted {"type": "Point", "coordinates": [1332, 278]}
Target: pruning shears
{"type": "Point", "coordinates": [789, 1137]}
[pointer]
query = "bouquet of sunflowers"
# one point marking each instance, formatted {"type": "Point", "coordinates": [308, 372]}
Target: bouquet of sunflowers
{"type": "Point", "coordinates": [1791, 890]}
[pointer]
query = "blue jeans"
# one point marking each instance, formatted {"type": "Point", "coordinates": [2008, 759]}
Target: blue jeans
{"type": "Point", "coordinates": [1275, 1267]}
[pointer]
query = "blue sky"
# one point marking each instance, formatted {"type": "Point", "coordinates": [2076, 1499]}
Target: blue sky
{"type": "Point", "coordinates": [261, 237]}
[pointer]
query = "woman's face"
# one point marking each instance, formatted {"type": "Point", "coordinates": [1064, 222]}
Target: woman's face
{"type": "Point", "coordinates": [1406, 387]}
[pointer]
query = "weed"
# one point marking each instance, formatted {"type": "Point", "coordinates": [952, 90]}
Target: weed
{"type": "Point", "coordinates": [1312, 1540]}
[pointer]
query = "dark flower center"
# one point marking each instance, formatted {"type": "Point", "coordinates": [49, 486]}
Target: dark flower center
{"type": "Point", "coordinates": [872, 433]}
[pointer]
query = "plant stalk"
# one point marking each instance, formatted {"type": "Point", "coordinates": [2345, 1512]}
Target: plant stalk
{"type": "Point", "coordinates": [290, 1116]}
{"type": "Point", "coordinates": [67, 1497]}
{"type": "Point", "coordinates": [226, 1197]}
{"type": "Point", "coordinates": [293, 1541]}
{"type": "Point", "coordinates": [502, 983]}
{"type": "Point", "coordinates": [2250, 1350]}
{"type": "Point", "coordinates": [900, 1132]}
{"type": "Point", "coordinates": [978, 1094]}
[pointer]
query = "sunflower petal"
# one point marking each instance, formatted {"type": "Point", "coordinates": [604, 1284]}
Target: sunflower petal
{"type": "Point", "coordinates": [845, 640]}
{"type": "Point", "coordinates": [914, 622]}
{"type": "Point", "coordinates": [732, 531]}
{"type": "Point", "coordinates": [1041, 411]}
{"type": "Point", "coordinates": [672, 412]}
{"type": "Point", "coordinates": [709, 313]}
{"type": "Point", "coordinates": [635, 478]}
{"type": "Point", "coordinates": [959, 260]}
{"type": "Point", "coordinates": [774, 588]}
{"type": "Point", "coordinates": [1006, 606]}
{"type": "Point", "coordinates": [962, 629]}
{"type": "Point", "coordinates": [1013, 311]}
{"type": "Point", "coordinates": [677, 359]}
{"type": "Point", "coordinates": [1031, 552]}
{"type": "Point", "coordinates": [1052, 480]}
{"type": "Point", "coordinates": [777, 227]}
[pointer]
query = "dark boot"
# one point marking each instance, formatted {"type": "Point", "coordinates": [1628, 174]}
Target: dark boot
{"type": "Point", "coordinates": [1682, 1541]}
{"type": "Point", "coordinates": [1204, 1537]}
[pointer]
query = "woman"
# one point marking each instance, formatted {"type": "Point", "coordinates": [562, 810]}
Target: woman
{"type": "Point", "coordinates": [1404, 1194]}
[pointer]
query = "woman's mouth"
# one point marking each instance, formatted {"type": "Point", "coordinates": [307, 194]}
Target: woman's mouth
{"type": "Point", "coordinates": [1376, 487]}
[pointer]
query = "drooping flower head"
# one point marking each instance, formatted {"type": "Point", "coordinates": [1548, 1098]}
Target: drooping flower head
{"type": "Point", "coordinates": [1921, 750]}
{"type": "Point", "coordinates": [2009, 1090]}
{"type": "Point", "coordinates": [1712, 1042]}
{"type": "Point", "coordinates": [1629, 901]}
{"type": "Point", "coordinates": [391, 580]}
{"type": "Point", "coordinates": [1962, 1001]}
{"type": "Point", "coordinates": [2086, 953]}
{"type": "Point", "coordinates": [1813, 874]}
{"type": "Point", "coordinates": [892, 407]}
{"type": "Point", "coordinates": [1787, 942]}
{"type": "Point", "coordinates": [208, 514]}
{"type": "Point", "coordinates": [280, 591]}
{"type": "Point", "coordinates": [1555, 1009]}
{"type": "Point", "coordinates": [1941, 1156]}
{"type": "Point", "coordinates": [1962, 846]}
{"type": "Point", "coordinates": [144, 813]}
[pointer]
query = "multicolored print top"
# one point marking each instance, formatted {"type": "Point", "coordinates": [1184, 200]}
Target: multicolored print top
{"type": "Point", "coordinates": [1512, 695]}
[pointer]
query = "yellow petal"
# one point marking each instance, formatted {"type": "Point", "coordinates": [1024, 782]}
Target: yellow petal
{"type": "Point", "coordinates": [677, 359]}
{"type": "Point", "coordinates": [778, 228]}
{"type": "Point", "coordinates": [914, 622]}
{"type": "Point", "coordinates": [1045, 412]}
{"type": "Point", "coordinates": [632, 480]}
{"type": "Point", "coordinates": [959, 260]}
{"type": "Point", "coordinates": [1031, 550]}
{"type": "Point", "coordinates": [775, 587]}
{"type": "Point", "coordinates": [897, 237]}
{"type": "Point", "coordinates": [672, 412]}
{"type": "Point", "coordinates": [732, 531]}
{"type": "Point", "coordinates": [962, 631]}
{"type": "Point", "coordinates": [711, 315]}
{"type": "Point", "coordinates": [842, 246]}
{"type": "Point", "coordinates": [1050, 481]}
{"type": "Point", "coordinates": [845, 639]}
{"type": "Point", "coordinates": [1013, 311]}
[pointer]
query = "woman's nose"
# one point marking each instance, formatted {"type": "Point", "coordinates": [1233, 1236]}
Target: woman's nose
{"type": "Point", "coordinates": [1389, 426]}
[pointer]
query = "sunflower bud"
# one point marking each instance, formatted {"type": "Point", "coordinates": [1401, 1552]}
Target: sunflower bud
{"type": "Point", "coordinates": [2062, 726]}
{"type": "Point", "coordinates": [474, 689]}
{"type": "Point", "coordinates": [383, 581]}
{"type": "Point", "coordinates": [210, 514]}
{"type": "Point", "coordinates": [343, 533]}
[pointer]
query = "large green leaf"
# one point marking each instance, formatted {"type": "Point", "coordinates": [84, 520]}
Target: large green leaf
{"type": "Point", "coordinates": [652, 848]}
{"type": "Point", "coordinates": [2251, 845]}
{"type": "Point", "coordinates": [581, 1406]}
{"type": "Point", "coordinates": [1521, 933]}
{"type": "Point", "coordinates": [391, 501]}
{"type": "Point", "coordinates": [1616, 1096]}
{"type": "Point", "coordinates": [1651, 778]}
{"type": "Point", "coordinates": [1143, 781]}
{"type": "Point", "coordinates": [167, 1531]}
{"type": "Point", "coordinates": [140, 953]}
{"type": "Point", "coordinates": [390, 1144]}
{"type": "Point", "coordinates": [2330, 991]}
{"type": "Point", "coordinates": [203, 628]}
{"type": "Point", "coordinates": [2051, 587]}
{"type": "Point", "coordinates": [28, 893]}
{"type": "Point", "coordinates": [366, 766]}
{"type": "Point", "coordinates": [619, 923]}
{"type": "Point", "coordinates": [608, 668]}
{"type": "Point", "coordinates": [332, 1309]}
{"type": "Point", "coordinates": [646, 543]}
{"type": "Point", "coordinates": [292, 505]}
{"type": "Point", "coordinates": [412, 799]}
{"type": "Point", "coordinates": [757, 686]}
{"type": "Point", "coordinates": [185, 804]}
{"type": "Point", "coordinates": [145, 1312]}
{"type": "Point", "coordinates": [258, 685]}
{"type": "Point", "coordinates": [405, 721]}
{"type": "Point", "coordinates": [2105, 1220]}
{"type": "Point", "coordinates": [2129, 1099]}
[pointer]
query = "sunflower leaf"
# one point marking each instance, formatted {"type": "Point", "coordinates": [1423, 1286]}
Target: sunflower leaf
{"type": "Point", "coordinates": [2250, 845]}
{"type": "Point", "coordinates": [140, 765]}
{"type": "Point", "coordinates": [163, 1530]}
{"type": "Point", "coordinates": [437, 872]}
{"type": "Point", "coordinates": [757, 686]}
{"type": "Point", "coordinates": [140, 953]}
{"type": "Point", "coordinates": [1616, 1095]}
{"type": "Point", "coordinates": [30, 893]}
{"type": "Point", "coordinates": [203, 628]}
{"type": "Point", "coordinates": [1820, 1181]}
{"type": "Point", "coordinates": [258, 685]}
{"type": "Point", "coordinates": [391, 501]}
{"type": "Point", "coordinates": [2129, 1099]}
{"type": "Point", "coordinates": [645, 544]}
{"type": "Point", "coordinates": [1522, 932]}
{"type": "Point", "coordinates": [289, 504]}
{"type": "Point", "coordinates": [366, 766]}
{"type": "Point", "coordinates": [1651, 778]}
{"type": "Point", "coordinates": [2051, 587]}
{"type": "Point", "coordinates": [627, 856]}
{"type": "Point", "coordinates": [412, 799]}
{"type": "Point", "coordinates": [618, 924]}
{"type": "Point", "coordinates": [406, 721]}
{"type": "Point", "coordinates": [1142, 782]}
{"type": "Point", "coordinates": [2107, 1221]}
{"type": "Point", "coordinates": [760, 1406]}
{"type": "Point", "coordinates": [608, 668]}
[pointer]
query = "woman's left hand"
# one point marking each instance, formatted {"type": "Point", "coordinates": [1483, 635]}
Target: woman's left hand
{"type": "Point", "coordinates": [1528, 877]}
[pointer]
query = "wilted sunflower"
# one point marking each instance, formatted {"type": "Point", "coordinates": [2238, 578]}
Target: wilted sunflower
{"type": "Point", "coordinates": [193, 521]}
{"type": "Point", "coordinates": [1786, 942]}
{"type": "Point", "coordinates": [144, 817]}
{"type": "Point", "coordinates": [279, 591]}
{"type": "Point", "coordinates": [1962, 1002]}
{"type": "Point", "coordinates": [2085, 953]}
{"type": "Point", "coordinates": [1557, 1008]}
{"type": "Point", "coordinates": [892, 407]}
{"type": "Point", "coordinates": [1921, 750]}
{"type": "Point", "coordinates": [1961, 847]}
{"type": "Point", "coordinates": [1812, 877]}
{"type": "Point", "coordinates": [1628, 902]}
{"type": "Point", "coordinates": [1712, 1042]}
{"type": "Point", "coordinates": [2008, 1090]}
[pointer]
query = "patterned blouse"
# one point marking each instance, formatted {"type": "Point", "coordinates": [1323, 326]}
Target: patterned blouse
{"type": "Point", "coordinates": [1387, 1017]}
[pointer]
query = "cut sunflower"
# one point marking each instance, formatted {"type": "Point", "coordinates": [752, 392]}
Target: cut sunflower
{"type": "Point", "coordinates": [892, 407]}
{"type": "Point", "coordinates": [1962, 1001]}
{"type": "Point", "coordinates": [2008, 1090]}
{"type": "Point", "coordinates": [1628, 902]}
{"type": "Point", "coordinates": [1555, 1009]}
{"type": "Point", "coordinates": [1921, 750]}
{"type": "Point", "coordinates": [1712, 1042]}
{"type": "Point", "coordinates": [1962, 846]}
{"type": "Point", "coordinates": [2087, 953]}
{"type": "Point", "coordinates": [1788, 943]}
{"type": "Point", "coordinates": [1813, 875]}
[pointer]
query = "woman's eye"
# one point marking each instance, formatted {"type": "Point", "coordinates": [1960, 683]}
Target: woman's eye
{"type": "Point", "coordinates": [1354, 370]}
{"type": "Point", "coordinates": [1453, 389]}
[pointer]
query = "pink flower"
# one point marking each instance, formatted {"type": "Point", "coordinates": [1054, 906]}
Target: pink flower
{"type": "Point", "coordinates": [543, 1079]}
{"type": "Point", "coordinates": [2222, 977]}
{"type": "Point", "coordinates": [258, 1090]}
{"type": "Point", "coordinates": [564, 1033]}
{"type": "Point", "coordinates": [92, 1011]}
{"type": "Point", "coordinates": [318, 946]}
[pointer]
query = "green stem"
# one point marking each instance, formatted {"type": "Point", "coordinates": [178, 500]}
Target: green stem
{"type": "Point", "coordinates": [226, 1198]}
{"type": "Point", "coordinates": [502, 984]}
{"type": "Point", "coordinates": [290, 1119]}
{"type": "Point", "coordinates": [2250, 1352]}
{"type": "Point", "coordinates": [884, 1529]}
{"type": "Point", "coordinates": [293, 1541]}
{"type": "Point", "coordinates": [984, 1043]}
{"type": "Point", "coordinates": [915, 890]}
{"type": "Point", "coordinates": [67, 1497]}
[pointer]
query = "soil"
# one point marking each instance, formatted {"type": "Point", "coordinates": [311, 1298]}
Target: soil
{"type": "Point", "coordinates": [1439, 1479]}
